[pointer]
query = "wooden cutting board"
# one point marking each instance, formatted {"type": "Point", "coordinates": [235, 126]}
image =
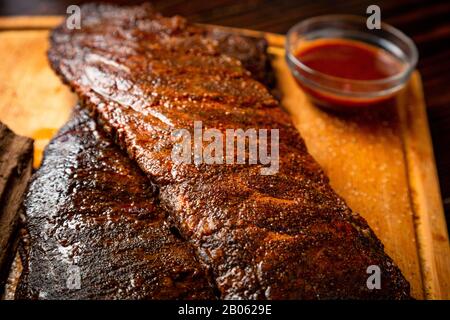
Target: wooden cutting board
{"type": "Point", "coordinates": [380, 161]}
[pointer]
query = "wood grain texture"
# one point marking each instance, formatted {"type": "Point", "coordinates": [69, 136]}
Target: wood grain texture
{"type": "Point", "coordinates": [370, 157]}
{"type": "Point", "coordinates": [424, 192]}
{"type": "Point", "coordinates": [33, 101]}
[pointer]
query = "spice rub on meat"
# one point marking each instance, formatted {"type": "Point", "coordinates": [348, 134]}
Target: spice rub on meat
{"type": "Point", "coordinates": [96, 230]}
{"type": "Point", "coordinates": [281, 236]}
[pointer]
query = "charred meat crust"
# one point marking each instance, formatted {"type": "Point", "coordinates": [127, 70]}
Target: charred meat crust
{"type": "Point", "coordinates": [284, 236]}
{"type": "Point", "coordinates": [90, 207]}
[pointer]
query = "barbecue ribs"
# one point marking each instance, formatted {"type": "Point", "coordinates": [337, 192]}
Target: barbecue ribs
{"type": "Point", "coordinates": [281, 236]}
{"type": "Point", "coordinates": [90, 208]}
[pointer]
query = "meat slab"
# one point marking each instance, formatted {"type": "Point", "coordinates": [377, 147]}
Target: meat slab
{"type": "Point", "coordinates": [16, 163]}
{"type": "Point", "coordinates": [96, 230]}
{"type": "Point", "coordinates": [281, 236]}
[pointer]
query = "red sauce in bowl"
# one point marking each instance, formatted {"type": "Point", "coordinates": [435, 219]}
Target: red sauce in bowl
{"type": "Point", "coordinates": [350, 59]}
{"type": "Point", "coordinates": [347, 61]}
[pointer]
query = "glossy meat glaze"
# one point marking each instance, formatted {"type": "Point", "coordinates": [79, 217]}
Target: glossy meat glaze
{"type": "Point", "coordinates": [281, 236]}
{"type": "Point", "coordinates": [96, 230]}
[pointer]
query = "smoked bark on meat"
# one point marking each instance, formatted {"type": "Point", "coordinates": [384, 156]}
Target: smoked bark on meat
{"type": "Point", "coordinates": [282, 236]}
{"type": "Point", "coordinates": [89, 206]}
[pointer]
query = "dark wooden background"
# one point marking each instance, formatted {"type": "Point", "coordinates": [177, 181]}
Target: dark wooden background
{"type": "Point", "coordinates": [427, 22]}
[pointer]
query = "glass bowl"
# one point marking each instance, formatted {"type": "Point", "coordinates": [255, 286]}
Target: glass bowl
{"type": "Point", "coordinates": [332, 91]}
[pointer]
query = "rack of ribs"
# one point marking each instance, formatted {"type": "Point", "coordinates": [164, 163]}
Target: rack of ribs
{"type": "Point", "coordinates": [95, 229]}
{"type": "Point", "coordinates": [282, 236]}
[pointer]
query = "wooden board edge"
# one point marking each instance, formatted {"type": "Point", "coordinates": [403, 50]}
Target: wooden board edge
{"type": "Point", "coordinates": [273, 39]}
{"type": "Point", "coordinates": [425, 196]}
{"type": "Point", "coordinates": [29, 22]}
{"type": "Point", "coordinates": [49, 22]}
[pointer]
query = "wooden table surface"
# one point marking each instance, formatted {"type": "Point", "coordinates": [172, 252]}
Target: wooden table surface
{"type": "Point", "coordinates": [427, 22]}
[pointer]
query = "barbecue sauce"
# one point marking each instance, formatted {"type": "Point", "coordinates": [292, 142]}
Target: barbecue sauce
{"type": "Point", "coordinates": [348, 60]}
